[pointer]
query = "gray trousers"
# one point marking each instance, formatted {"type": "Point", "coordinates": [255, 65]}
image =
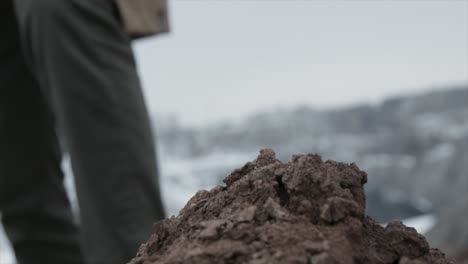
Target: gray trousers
{"type": "Point", "coordinates": [67, 69]}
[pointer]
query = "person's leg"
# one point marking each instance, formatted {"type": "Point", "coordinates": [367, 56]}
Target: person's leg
{"type": "Point", "coordinates": [85, 65]}
{"type": "Point", "coordinates": [35, 210]}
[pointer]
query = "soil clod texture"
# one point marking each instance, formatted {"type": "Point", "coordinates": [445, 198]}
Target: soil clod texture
{"type": "Point", "coordinates": [305, 211]}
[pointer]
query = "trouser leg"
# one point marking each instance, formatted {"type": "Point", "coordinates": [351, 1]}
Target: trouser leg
{"type": "Point", "coordinates": [35, 210]}
{"type": "Point", "coordinates": [86, 67]}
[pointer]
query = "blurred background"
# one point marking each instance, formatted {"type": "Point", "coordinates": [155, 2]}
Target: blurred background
{"type": "Point", "coordinates": [383, 84]}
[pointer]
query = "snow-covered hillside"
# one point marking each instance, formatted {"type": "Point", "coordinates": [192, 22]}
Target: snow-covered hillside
{"type": "Point", "coordinates": [408, 145]}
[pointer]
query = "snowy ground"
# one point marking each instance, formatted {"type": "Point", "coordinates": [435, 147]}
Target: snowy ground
{"type": "Point", "coordinates": [6, 256]}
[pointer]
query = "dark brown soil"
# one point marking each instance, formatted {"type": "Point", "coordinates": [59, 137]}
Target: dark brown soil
{"type": "Point", "coordinates": [304, 211]}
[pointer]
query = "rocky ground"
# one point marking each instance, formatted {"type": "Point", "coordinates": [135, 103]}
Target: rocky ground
{"type": "Point", "coordinates": [304, 211]}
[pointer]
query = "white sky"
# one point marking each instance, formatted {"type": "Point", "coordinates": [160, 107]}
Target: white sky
{"type": "Point", "coordinates": [226, 58]}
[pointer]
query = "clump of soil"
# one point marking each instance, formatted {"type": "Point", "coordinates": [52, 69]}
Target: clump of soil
{"type": "Point", "coordinates": [304, 211]}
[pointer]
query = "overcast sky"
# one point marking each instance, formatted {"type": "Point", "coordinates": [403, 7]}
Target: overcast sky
{"type": "Point", "coordinates": [227, 58]}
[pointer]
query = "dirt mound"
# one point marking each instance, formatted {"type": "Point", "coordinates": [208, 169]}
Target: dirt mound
{"type": "Point", "coordinates": [304, 211]}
